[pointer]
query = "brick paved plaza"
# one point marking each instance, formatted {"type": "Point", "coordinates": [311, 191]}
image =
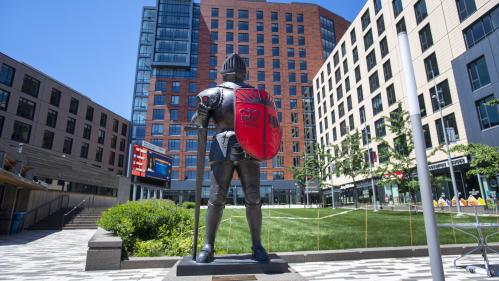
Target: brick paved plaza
{"type": "Point", "coordinates": [48, 255]}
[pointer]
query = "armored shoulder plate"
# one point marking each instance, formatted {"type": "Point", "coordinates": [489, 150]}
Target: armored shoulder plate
{"type": "Point", "coordinates": [211, 98]}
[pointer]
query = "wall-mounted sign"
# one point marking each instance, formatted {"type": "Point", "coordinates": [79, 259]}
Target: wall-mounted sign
{"type": "Point", "coordinates": [445, 164]}
{"type": "Point", "coordinates": [150, 164]}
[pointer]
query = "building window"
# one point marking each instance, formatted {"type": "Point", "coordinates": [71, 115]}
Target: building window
{"type": "Point", "coordinates": [112, 156]}
{"type": "Point", "coordinates": [122, 144]}
{"type": "Point", "coordinates": [55, 97]}
{"type": "Point", "coordinates": [365, 20]}
{"type": "Point", "coordinates": [425, 38]}
{"type": "Point", "coordinates": [383, 47]}
{"type": "Point", "coordinates": [299, 18]}
{"type": "Point", "coordinates": [362, 115]}
{"type": "Point", "coordinates": [212, 74]}
{"type": "Point", "coordinates": [273, 16]}
{"type": "Point", "coordinates": [465, 8]}
{"type": "Point", "coordinates": [31, 86]}
{"type": "Point", "coordinates": [420, 10]}
{"type": "Point", "coordinates": [229, 25]}
{"type": "Point", "coordinates": [275, 27]}
{"type": "Point", "coordinates": [293, 104]}
{"type": "Point", "coordinates": [115, 125]}
{"type": "Point", "coordinates": [289, 28]}
{"type": "Point", "coordinates": [377, 104]}
{"type": "Point", "coordinates": [67, 146]}
{"type": "Point", "coordinates": [450, 129]}
{"type": "Point", "coordinates": [175, 100]}
{"type": "Point", "coordinates": [103, 120]}
{"type": "Point", "coordinates": [360, 94]}
{"type": "Point", "coordinates": [366, 135]}
{"type": "Point", "coordinates": [368, 40]}
{"type": "Point", "coordinates": [243, 49]}
{"type": "Point", "coordinates": [157, 129]}
{"type": "Point", "coordinates": [261, 76]}
{"type": "Point", "coordinates": [377, 6]}
{"type": "Point", "coordinates": [48, 139]}
{"type": "Point", "coordinates": [374, 82]}
{"type": "Point", "coordinates": [121, 160]}
{"type": "Point", "coordinates": [214, 12]}
{"type": "Point", "coordinates": [84, 150]}
{"type": "Point", "coordinates": [98, 154]}
{"type": "Point", "coordinates": [73, 106]}
{"type": "Point", "coordinates": [51, 118]}
{"type": "Point", "coordinates": [431, 66]}
{"type": "Point", "coordinates": [277, 90]}
{"type": "Point", "coordinates": [301, 41]}
{"type": "Point", "coordinates": [481, 28]}
{"type": "Point", "coordinates": [397, 7]}
{"type": "Point", "coordinates": [371, 60]}
{"type": "Point", "coordinates": [7, 74]}
{"type": "Point", "coordinates": [383, 154]}
{"type": "Point", "coordinates": [160, 86]}
{"type": "Point", "coordinates": [276, 76]}
{"type": "Point", "coordinates": [176, 86]}
{"type": "Point", "coordinates": [260, 38]}
{"type": "Point", "coordinates": [229, 49]}
{"type": "Point", "coordinates": [355, 55]}
{"type": "Point", "coordinates": [290, 40]}
{"type": "Point", "coordinates": [443, 95]}
{"type": "Point", "coordinates": [390, 95]}
{"type": "Point", "coordinates": [191, 145]}
{"type": "Point", "coordinates": [4, 100]}
{"type": "Point", "coordinates": [230, 13]}
{"type": "Point", "coordinates": [422, 106]}
{"type": "Point", "coordinates": [87, 131]}
{"type": "Point", "coordinates": [114, 140]}
{"type": "Point", "coordinates": [70, 125]}
{"type": "Point", "coordinates": [302, 53]}
{"type": "Point", "coordinates": [400, 26]}
{"type": "Point", "coordinates": [487, 114]}
{"type": "Point", "coordinates": [90, 113]}
{"type": "Point", "coordinates": [301, 29]}
{"type": "Point", "coordinates": [380, 25]}
{"type": "Point", "coordinates": [243, 14]}
{"type": "Point", "coordinates": [101, 137]}
{"type": "Point", "coordinates": [243, 37]}
{"type": "Point", "coordinates": [243, 25]}
{"type": "Point", "coordinates": [478, 73]}
{"type": "Point", "coordinates": [175, 130]}
{"type": "Point", "coordinates": [26, 108]}
{"type": "Point", "coordinates": [21, 132]}
{"type": "Point", "coordinates": [158, 114]}
{"type": "Point", "coordinates": [214, 23]}
{"type": "Point", "coordinates": [387, 70]}
{"type": "Point", "coordinates": [379, 127]}
{"type": "Point", "coordinates": [192, 87]}
{"type": "Point", "coordinates": [291, 52]}
{"type": "Point", "coordinates": [159, 100]}
{"type": "Point", "coordinates": [124, 129]}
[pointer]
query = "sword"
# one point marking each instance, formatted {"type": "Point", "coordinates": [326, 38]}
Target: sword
{"type": "Point", "coordinates": [202, 136]}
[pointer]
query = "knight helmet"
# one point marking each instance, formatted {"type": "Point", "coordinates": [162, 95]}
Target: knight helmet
{"type": "Point", "coordinates": [234, 68]}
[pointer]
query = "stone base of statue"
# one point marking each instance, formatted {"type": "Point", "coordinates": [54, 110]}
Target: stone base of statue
{"type": "Point", "coordinates": [231, 264]}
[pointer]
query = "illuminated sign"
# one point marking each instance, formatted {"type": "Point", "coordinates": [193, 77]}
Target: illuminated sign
{"type": "Point", "coordinates": [150, 164]}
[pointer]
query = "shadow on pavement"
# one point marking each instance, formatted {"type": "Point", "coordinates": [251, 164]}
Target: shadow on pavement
{"type": "Point", "coordinates": [24, 237]}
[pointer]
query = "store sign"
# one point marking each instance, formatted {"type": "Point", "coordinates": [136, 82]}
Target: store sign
{"type": "Point", "coordinates": [153, 147]}
{"type": "Point", "coordinates": [445, 164]}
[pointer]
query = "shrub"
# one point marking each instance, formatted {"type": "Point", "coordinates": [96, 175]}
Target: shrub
{"type": "Point", "coordinates": [188, 205]}
{"type": "Point", "coordinates": [150, 227]}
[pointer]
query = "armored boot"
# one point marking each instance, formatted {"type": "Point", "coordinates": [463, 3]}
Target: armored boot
{"type": "Point", "coordinates": [254, 217]}
{"type": "Point", "coordinates": [213, 218]}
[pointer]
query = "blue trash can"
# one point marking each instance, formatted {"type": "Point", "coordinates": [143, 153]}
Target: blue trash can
{"type": "Point", "coordinates": [17, 222]}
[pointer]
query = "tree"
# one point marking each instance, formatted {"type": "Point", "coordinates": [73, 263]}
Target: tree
{"type": "Point", "coordinates": [349, 159]}
{"type": "Point", "coordinates": [400, 164]}
{"type": "Point", "coordinates": [484, 158]}
{"type": "Point", "coordinates": [315, 167]}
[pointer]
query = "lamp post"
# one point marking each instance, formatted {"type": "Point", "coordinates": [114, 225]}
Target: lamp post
{"type": "Point", "coordinates": [375, 209]}
{"type": "Point", "coordinates": [449, 158]}
{"type": "Point", "coordinates": [437, 270]}
{"type": "Point", "coordinates": [306, 180]}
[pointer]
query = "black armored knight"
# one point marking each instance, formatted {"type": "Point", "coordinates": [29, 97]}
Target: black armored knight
{"type": "Point", "coordinates": [228, 154]}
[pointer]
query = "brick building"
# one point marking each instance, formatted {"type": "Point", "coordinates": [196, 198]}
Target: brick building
{"type": "Point", "coordinates": [182, 47]}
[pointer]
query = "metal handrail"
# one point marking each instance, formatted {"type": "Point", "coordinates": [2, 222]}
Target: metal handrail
{"type": "Point", "coordinates": [35, 210]}
{"type": "Point", "coordinates": [72, 210]}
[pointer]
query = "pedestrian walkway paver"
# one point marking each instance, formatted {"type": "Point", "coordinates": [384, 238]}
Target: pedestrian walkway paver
{"type": "Point", "coordinates": [60, 255]}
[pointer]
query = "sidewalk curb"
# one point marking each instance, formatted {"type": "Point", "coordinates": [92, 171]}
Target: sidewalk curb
{"type": "Point", "coordinates": [104, 252]}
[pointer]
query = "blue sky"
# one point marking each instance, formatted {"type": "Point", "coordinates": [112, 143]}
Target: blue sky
{"type": "Point", "coordinates": [91, 45]}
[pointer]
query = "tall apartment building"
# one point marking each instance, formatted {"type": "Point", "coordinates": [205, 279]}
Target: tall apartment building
{"type": "Point", "coordinates": [454, 49]}
{"type": "Point", "coordinates": [68, 141]}
{"type": "Point", "coordinates": [182, 46]}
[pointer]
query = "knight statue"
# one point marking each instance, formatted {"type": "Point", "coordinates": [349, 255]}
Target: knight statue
{"type": "Point", "coordinates": [247, 132]}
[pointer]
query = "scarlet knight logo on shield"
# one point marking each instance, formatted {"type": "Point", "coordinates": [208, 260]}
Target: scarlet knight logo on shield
{"type": "Point", "coordinates": [256, 123]}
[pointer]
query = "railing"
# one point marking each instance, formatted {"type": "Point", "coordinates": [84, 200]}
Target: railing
{"type": "Point", "coordinates": [38, 209]}
{"type": "Point", "coordinates": [78, 206]}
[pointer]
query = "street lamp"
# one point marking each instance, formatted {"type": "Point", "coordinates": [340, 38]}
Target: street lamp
{"type": "Point", "coordinates": [375, 209]}
{"type": "Point", "coordinates": [306, 180]}
{"type": "Point", "coordinates": [444, 131]}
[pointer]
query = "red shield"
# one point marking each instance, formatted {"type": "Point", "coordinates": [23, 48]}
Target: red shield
{"type": "Point", "coordinates": [256, 123]}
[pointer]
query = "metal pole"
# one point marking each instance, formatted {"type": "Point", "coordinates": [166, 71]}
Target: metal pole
{"type": "Point", "coordinates": [449, 158]}
{"type": "Point", "coordinates": [306, 180]}
{"type": "Point", "coordinates": [437, 270]}
{"type": "Point", "coordinates": [371, 172]}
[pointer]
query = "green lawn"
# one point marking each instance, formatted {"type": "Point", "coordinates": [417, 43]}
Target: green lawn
{"type": "Point", "coordinates": [299, 229]}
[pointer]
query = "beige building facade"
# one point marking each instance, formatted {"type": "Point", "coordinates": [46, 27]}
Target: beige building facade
{"type": "Point", "coordinates": [362, 82]}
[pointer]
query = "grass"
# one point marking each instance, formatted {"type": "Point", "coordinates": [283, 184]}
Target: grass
{"type": "Point", "coordinates": [286, 230]}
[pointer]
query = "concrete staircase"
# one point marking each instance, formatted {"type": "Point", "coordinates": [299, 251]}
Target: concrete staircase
{"type": "Point", "coordinates": [82, 218]}
{"type": "Point", "coordinates": [85, 219]}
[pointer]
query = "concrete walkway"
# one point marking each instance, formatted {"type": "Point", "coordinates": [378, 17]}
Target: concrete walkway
{"type": "Point", "coordinates": [49, 255]}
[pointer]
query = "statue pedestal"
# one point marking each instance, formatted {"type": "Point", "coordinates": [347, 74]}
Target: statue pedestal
{"type": "Point", "coordinates": [231, 264]}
